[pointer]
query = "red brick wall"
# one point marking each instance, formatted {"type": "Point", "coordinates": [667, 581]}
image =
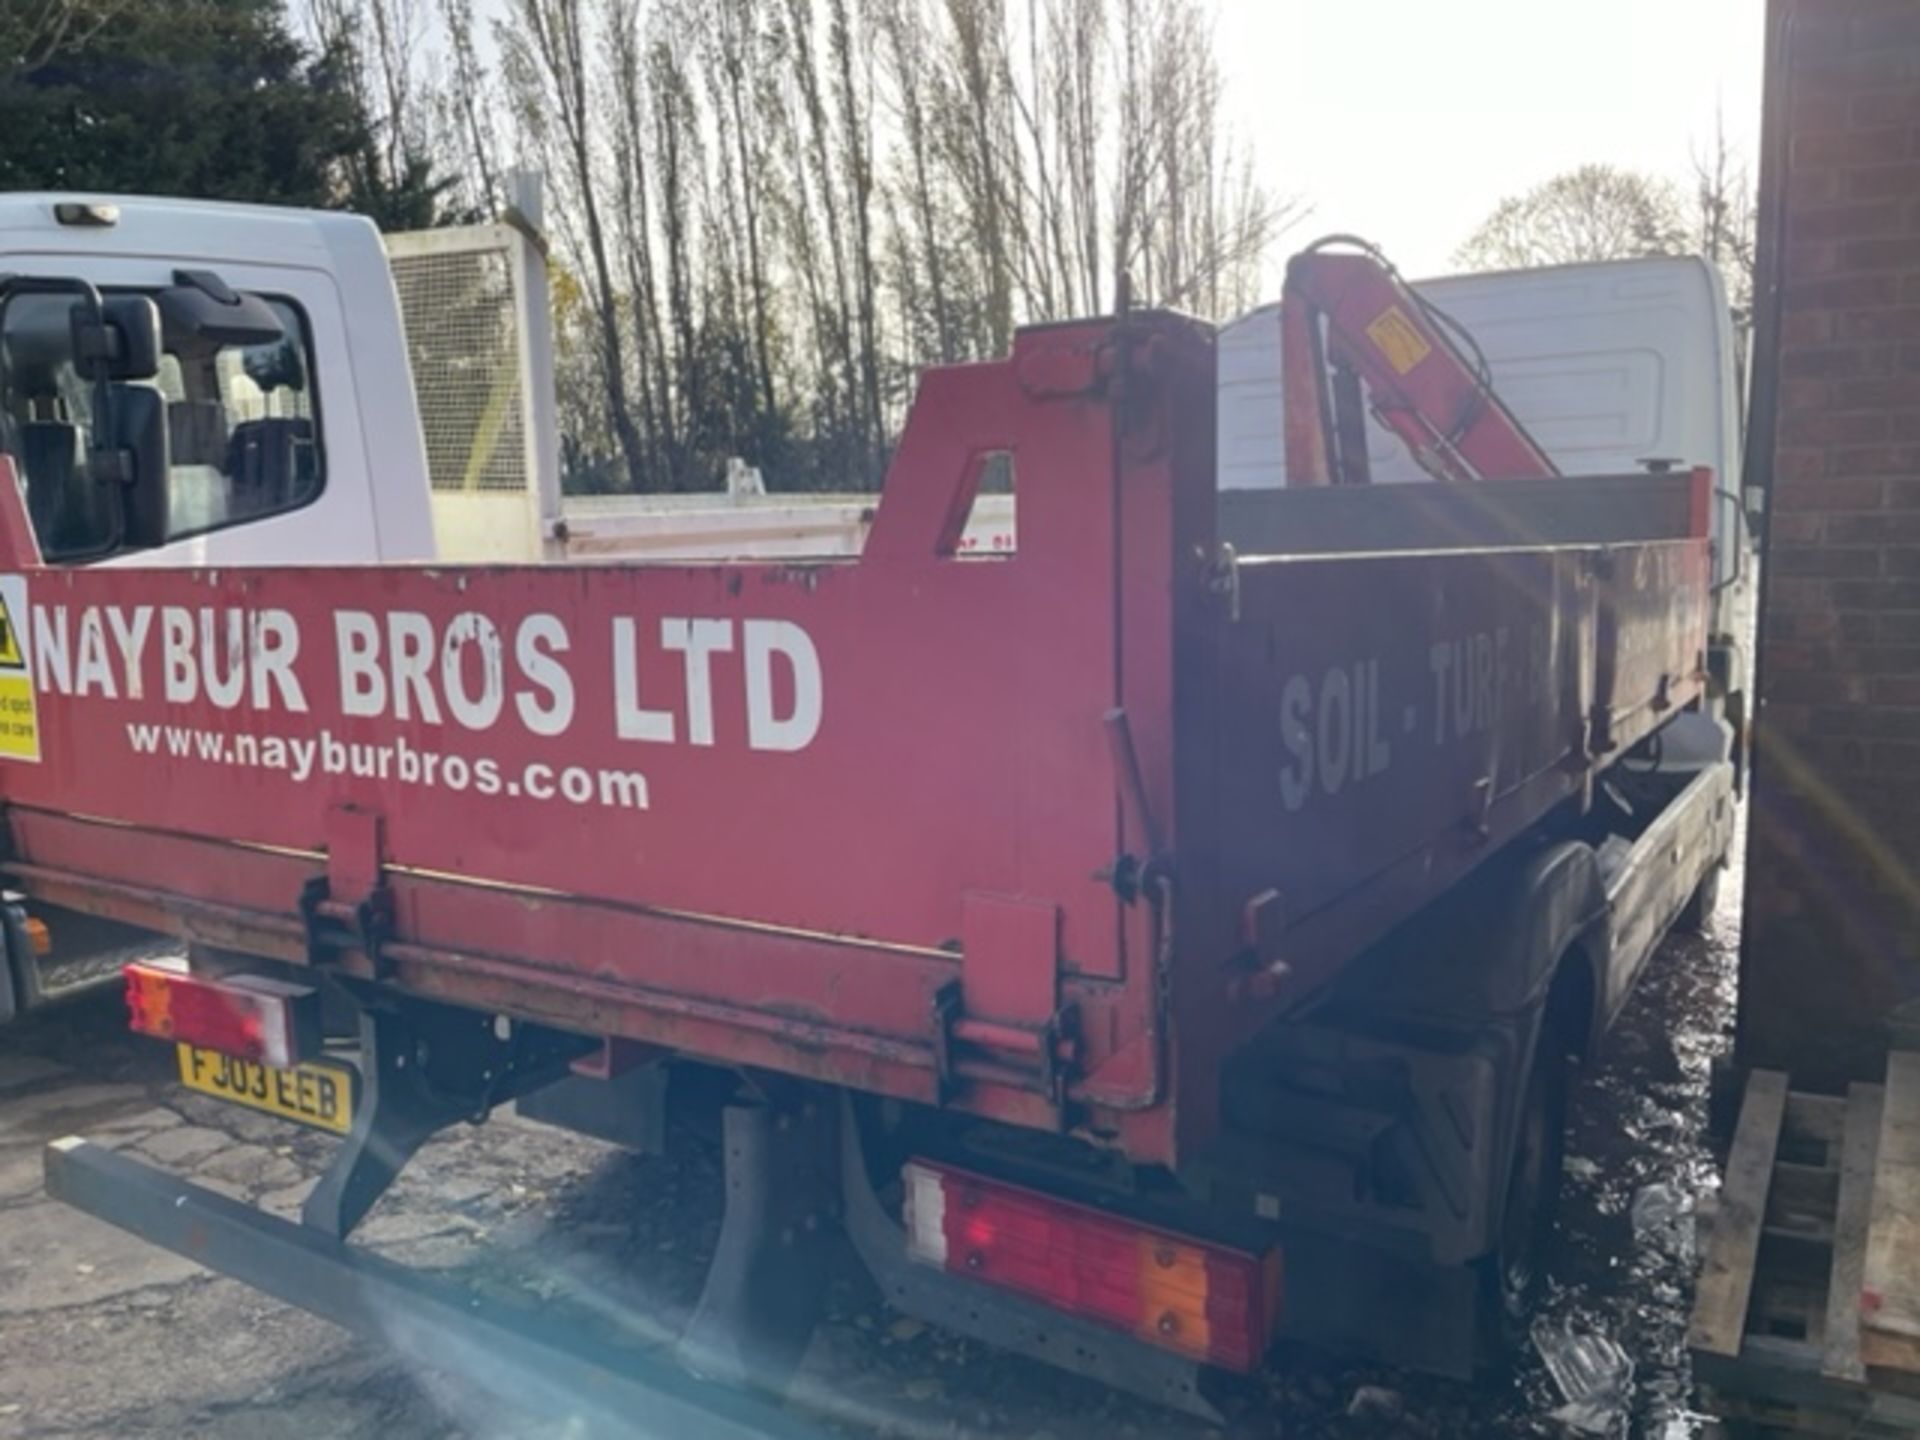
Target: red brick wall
{"type": "Point", "coordinates": [1832, 942]}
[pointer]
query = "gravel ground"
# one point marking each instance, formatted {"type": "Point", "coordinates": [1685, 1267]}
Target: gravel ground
{"type": "Point", "coordinates": [101, 1336]}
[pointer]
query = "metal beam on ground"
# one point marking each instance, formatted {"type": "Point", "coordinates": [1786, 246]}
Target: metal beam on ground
{"type": "Point", "coordinates": [532, 1361]}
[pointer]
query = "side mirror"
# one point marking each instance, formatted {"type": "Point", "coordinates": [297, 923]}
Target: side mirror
{"type": "Point", "coordinates": [115, 344]}
{"type": "Point", "coordinates": [134, 460]}
{"type": "Point", "coordinates": [121, 341]}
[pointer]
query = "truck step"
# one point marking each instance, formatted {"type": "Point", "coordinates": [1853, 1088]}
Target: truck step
{"type": "Point", "coordinates": [66, 977]}
{"type": "Point", "coordinates": [86, 957]}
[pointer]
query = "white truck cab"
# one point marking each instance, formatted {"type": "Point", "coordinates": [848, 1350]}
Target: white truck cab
{"type": "Point", "coordinates": [303, 446]}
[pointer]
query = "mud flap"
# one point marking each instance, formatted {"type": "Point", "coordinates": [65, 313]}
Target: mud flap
{"type": "Point", "coordinates": [767, 1283]}
{"type": "Point", "coordinates": [423, 1069]}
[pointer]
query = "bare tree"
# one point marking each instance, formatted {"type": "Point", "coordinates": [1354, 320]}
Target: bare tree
{"type": "Point", "coordinates": [470, 115]}
{"type": "Point", "coordinates": [632, 168]}
{"type": "Point", "coordinates": [917, 219]}
{"type": "Point", "coordinates": [824, 173]}
{"type": "Point", "coordinates": [546, 51]}
{"type": "Point", "coordinates": [852, 62]}
{"type": "Point", "coordinates": [977, 100]}
{"type": "Point", "coordinates": [1115, 158]}
{"type": "Point", "coordinates": [1725, 215]}
{"type": "Point", "coordinates": [33, 31]}
{"type": "Point", "coordinates": [381, 48]}
{"type": "Point", "coordinates": [678, 185]}
{"type": "Point", "coordinates": [771, 214]}
{"type": "Point", "coordinates": [1597, 212]}
{"type": "Point", "coordinates": [737, 62]}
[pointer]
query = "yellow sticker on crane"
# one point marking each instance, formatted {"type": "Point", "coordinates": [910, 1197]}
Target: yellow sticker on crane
{"type": "Point", "coordinates": [19, 719]}
{"type": "Point", "coordinates": [1399, 339]}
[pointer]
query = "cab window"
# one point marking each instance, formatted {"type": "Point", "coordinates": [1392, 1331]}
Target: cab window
{"type": "Point", "coordinates": [241, 432]}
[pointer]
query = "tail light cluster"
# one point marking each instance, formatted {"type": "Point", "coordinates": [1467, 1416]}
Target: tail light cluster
{"type": "Point", "coordinates": [252, 1017]}
{"type": "Point", "coordinates": [1212, 1302]}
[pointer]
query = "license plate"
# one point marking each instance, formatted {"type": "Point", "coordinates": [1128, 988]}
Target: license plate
{"type": "Point", "coordinates": [313, 1094]}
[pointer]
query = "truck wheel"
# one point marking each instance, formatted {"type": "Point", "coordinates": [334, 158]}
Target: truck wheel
{"type": "Point", "coordinates": [1514, 1272]}
{"type": "Point", "coordinates": [1699, 908]}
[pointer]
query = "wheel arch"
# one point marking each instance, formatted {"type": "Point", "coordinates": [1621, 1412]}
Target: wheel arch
{"type": "Point", "coordinates": [1526, 936]}
{"type": "Point", "coordinates": [1576, 1000]}
{"type": "Point", "coordinates": [1561, 935]}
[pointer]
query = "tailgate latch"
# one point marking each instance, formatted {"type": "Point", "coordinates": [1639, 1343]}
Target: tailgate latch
{"type": "Point", "coordinates": [1002, 1022]}
{"type": "Point", "coordinates": [350, 906]}
{"type": "Point", "coordinates": [968, 1048]}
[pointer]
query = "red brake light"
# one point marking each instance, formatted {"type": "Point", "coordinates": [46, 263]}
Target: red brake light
{"type": "Point", "coordinates": [1213, 1302]}
{"type": "Point", "coordinates": [252, 1017]}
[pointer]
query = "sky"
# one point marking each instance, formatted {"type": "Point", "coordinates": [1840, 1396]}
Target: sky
{"type": "Point", "coordinates": [1407, 121]}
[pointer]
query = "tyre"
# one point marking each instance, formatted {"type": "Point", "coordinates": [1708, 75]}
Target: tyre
{"type": "Point", "coordinates": [1699, 908]}
{"type": "Point", "coordinates": [1513, 1275]}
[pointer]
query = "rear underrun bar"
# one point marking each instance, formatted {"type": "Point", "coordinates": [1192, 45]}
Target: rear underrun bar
{"type": "Point", "coordinates": [550, 1368]}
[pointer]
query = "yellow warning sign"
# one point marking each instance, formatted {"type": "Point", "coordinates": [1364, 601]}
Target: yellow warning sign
{"type": "Point", "coordinates": [1399, 339]}
{"type": "Point", "coordinates": [19, 718]}
{"type": "Point", "coordinates": [10, 656]}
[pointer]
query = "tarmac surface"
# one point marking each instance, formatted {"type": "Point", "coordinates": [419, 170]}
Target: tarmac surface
{"type": "Point", "coordinates": [103, 1336]}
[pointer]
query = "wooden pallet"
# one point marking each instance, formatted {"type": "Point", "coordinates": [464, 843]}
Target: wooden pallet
{"type": "Point", "coordinates": [1890, 1278]}
{"type": "Point", "coordinates": [1778, 1343]}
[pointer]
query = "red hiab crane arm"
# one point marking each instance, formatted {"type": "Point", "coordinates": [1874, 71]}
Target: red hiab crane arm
{"type": "Point", "coordinates": [1349, 321]}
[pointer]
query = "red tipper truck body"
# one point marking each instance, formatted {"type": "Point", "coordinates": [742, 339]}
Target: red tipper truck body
{"type": "Point", "coordinates": [1049, 839]}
